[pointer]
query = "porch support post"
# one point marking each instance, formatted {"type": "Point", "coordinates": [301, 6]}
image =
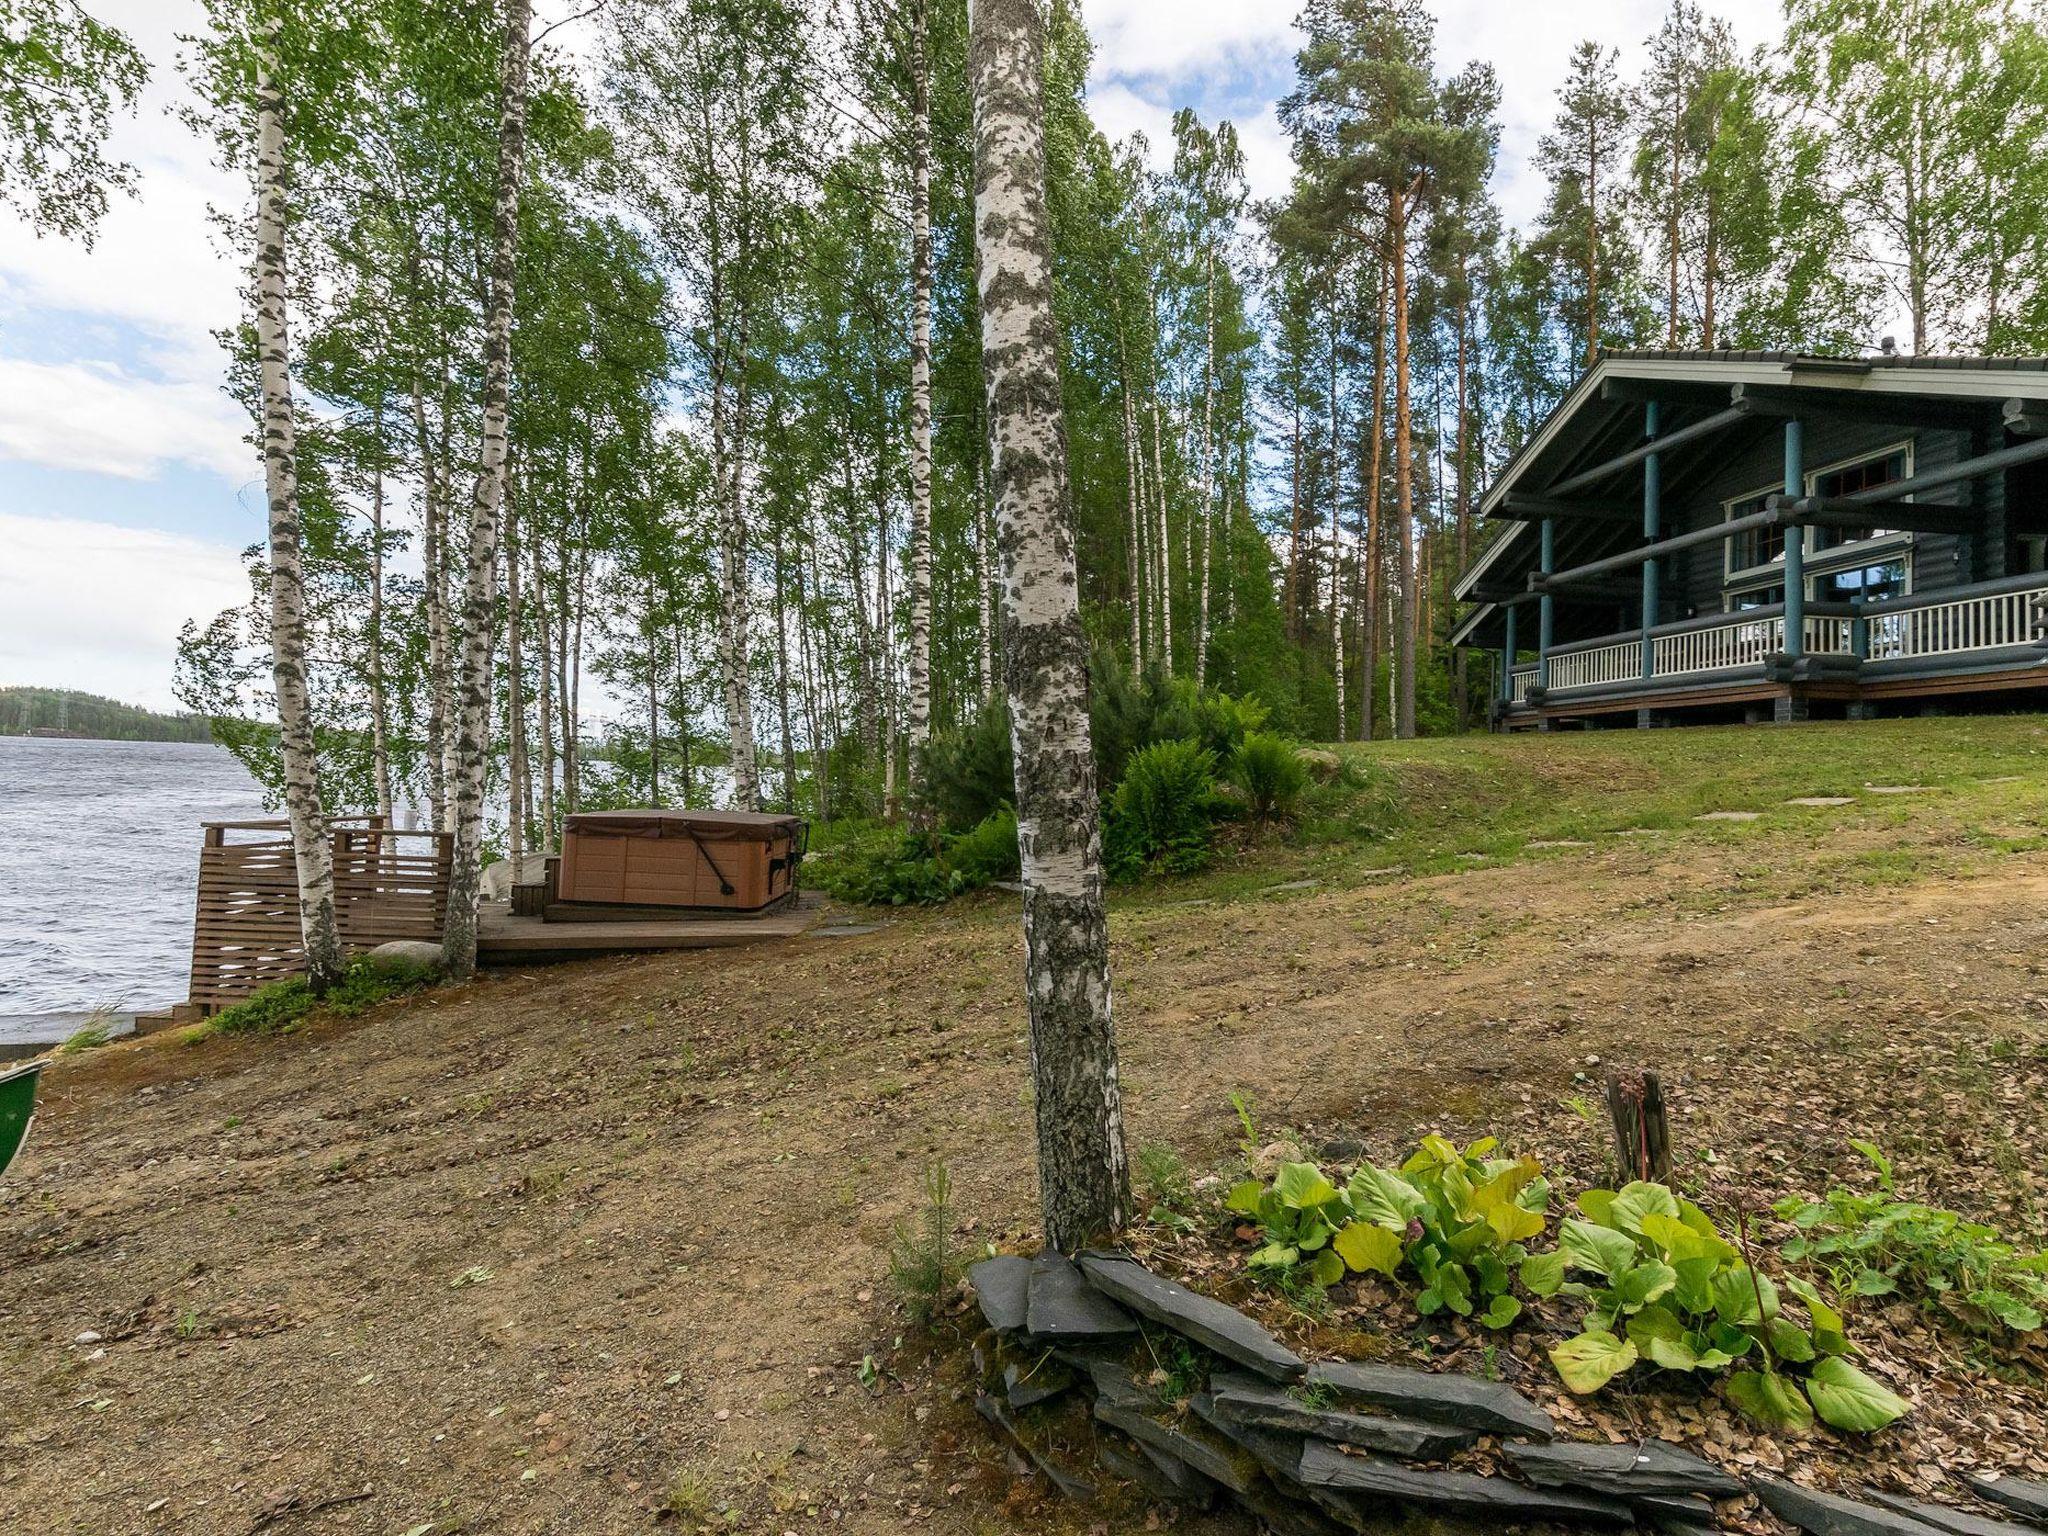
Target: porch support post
{"type": "Point", "coordinates": [1509, 651]}
{"type": "Point", "coordinates": [1795, 540]}
{"type": "Point", "coordinates": [1546, 605]}
{"type": "Point", "coordinates": [1653, 513]}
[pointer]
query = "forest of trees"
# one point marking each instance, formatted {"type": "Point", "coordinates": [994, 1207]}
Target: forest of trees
{"type": "Point", "coordinates": [619, 387]}
{"type": "Point", "coordinates": [71, 713]}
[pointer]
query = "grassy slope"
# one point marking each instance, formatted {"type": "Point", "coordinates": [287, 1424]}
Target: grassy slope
{"type": "Point", "coordinates": [1425, 805]}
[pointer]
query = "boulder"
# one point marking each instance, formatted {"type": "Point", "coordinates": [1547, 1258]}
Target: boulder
{"type": "Point", "coordinates": [1001, 1285]}
{"type": "Point", "coordinates": [1628, 1471]}
{"type": "Point", "coordinates": [1060, 1305]}
{"type": "Point", "coordinates": [1324, 1466]}
{"type": "Point", "coordinates": [498, 877]}
{"type": "Point", "coordinates": [1241, 1398]}
{"type": "Point", "coordinates": [1958, 1522]}
{"type": "Point", "coordinates": [1208, 1322]}
{"type": "Point", "coordinates": [1439, 1397]}
{"type": "Point", "coordinates": [2021, 1494]}
{"type": "Point", "coordinates": [1320, 764]}
{"type": "Point", "coordinates": [1829, 1514]}
{"type": "Point", "coordinates": [404, 955]}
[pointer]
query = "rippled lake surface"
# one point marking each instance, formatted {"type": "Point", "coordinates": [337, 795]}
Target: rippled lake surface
{"type": "Point", "coordinates": [99, 866]}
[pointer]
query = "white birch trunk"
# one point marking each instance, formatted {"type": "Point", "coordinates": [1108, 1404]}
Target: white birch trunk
{"type": "Point", "coordinates": [920, 411]}
{"type": "Point", "coordinates": [1208, 474]}
{"type": "Point", "coordinates": [1084, 1180]}
{"type": "Point", "coordinates": [380, 720]}
{"type": "Point", "coordinates": [480, 590]}
{"type": "Point", "coordinates": [311, 853]}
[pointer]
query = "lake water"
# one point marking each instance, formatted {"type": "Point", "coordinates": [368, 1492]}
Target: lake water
{"type": "Point", "coordinates": [99, 867]}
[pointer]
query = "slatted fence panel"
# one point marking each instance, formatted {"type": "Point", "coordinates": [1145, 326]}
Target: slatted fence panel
{"type": "Point", "coordinates": [245, 933]}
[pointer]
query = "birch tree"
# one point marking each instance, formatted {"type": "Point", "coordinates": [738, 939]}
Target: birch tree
{"type": "Point", "coordinates": [311, 854]}
{"type": "Point", "coordinates": [920, 403]}
{"type": "Point", "coordinates": [480, 589]}
{"type": "Point", "coordinates": [63, 78]}
{"type": "Point", "coordinates": [1084, 1179]}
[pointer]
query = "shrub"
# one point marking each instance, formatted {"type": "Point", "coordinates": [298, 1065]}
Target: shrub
{"type": "Point", "coordinates": [1163, 810]}
{"type": "Point", "coordinates": [1456, 1220]}
{"type": "Point", "coordinates": [968, 775]}
{"type": "Point", "coordinates": [884, 867]}
{"type": "Point", "coordinates": [923, 1263]}
{"type": "Point", "coordinates": [1669, 1289]}
{"type": "Point", "coordinates": [986, 854]}
{"type": "Point", "coordinates": [279, 1008]}
{"type": "Point", "coordinates": [1874, 1245]}
{"type": "Point", "coordinates": [1215, 721]}
{"type": "Point", "coordinates": [1270, 772]}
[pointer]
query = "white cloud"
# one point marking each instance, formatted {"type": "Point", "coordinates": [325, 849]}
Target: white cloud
{"type": "Point", "coordinates": [89, 605]}
{"type": "Point", "coordinates": [100, 417]}
{"type": "Point", "coordinates": [1174, 39]}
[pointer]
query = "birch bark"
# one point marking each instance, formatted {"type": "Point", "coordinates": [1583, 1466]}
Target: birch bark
{"type": "Point", "coordinates": [480, 589]}
{"type": "Point", "coordinates": [920, 413]}
{"type": "Point", "coordinates": [311, 853]}
{"type": "Point", "coordinates": [1084, 1180]}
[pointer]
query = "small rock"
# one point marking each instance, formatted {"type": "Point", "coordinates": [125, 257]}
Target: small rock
{"type": "Point", "coordinates": [1041, 1383]}
{"type": "Point", "coordinates": [1822, 800]}
{"type": "Point", "coordinates": [1896, 789]}
{"type": "Point", "coordinates": [90, 1336]}
{"type": "Point", "coordinates": [404, 955]}
{"type": "Point", "coordinates": [1729, 816]}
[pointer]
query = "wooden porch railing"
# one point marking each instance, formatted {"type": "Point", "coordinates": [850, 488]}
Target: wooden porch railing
{"type": "Point", "coordinates": [388, 884]}
{"type": "Point", "coordinates": [1985, 621]}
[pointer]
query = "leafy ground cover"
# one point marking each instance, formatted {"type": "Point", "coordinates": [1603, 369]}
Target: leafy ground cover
{"type": "Point", "coordinates": [565, 1248]}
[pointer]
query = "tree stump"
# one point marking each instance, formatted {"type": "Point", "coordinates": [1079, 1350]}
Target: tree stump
{"type": "Point", "coordinates": [1642, 1134]}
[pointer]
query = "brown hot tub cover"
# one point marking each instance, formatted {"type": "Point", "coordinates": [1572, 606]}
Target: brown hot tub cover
{"type": "Point", "coordinates": [738, 861]}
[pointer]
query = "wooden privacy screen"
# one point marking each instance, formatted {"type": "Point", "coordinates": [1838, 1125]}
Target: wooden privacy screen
{"type": "Point", "coordinates": [387, 885]}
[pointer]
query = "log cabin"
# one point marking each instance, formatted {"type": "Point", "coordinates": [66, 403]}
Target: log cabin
{"type": "Point", "coordinates": [1702, 536]}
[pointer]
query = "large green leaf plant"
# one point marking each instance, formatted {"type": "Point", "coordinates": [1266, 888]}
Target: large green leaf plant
{"type": "Point", "coordinates": [1664, 1287]}
{"type": "Point", "coordinates": [1457, 1219]}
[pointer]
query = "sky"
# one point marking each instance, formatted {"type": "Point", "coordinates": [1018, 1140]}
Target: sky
{"type": "Point", "coordinates": [128, 488]}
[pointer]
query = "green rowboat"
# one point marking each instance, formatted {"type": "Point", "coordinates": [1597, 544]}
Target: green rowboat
{"type": "Point", "coordinates": [17, 1108]}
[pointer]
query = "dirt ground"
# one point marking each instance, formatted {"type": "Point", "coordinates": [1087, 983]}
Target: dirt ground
{"type": "Point", "coordinates": [535, 1255]}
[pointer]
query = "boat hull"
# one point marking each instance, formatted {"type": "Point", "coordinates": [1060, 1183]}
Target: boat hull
{"type": "Point", "coordinates": [17, 1109]}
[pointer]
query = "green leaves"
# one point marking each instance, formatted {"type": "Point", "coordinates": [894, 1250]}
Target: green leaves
{"type": "Point", "coordinates": [1368, 1249]}
{"type": "Point", "coordinates": [1596, 1249]}
{"type": "Point", "coordinates": [1543, 1273]}
{"type": "Point", "coordinates": [1302, 1186]}
{"type": "Point", "coordinates": [1772, 1400]}
{"type": "Point", "coordinates": [1846, 1398]}
{"type": "Point", "coordinates": [1588, 1362]}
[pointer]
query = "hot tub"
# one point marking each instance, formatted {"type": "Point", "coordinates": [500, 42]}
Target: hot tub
{"type": "Point", "coordinates": [726, 861]}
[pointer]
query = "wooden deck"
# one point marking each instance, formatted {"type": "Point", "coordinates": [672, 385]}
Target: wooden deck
{"type": "Point", "coordinates": [504, 939]}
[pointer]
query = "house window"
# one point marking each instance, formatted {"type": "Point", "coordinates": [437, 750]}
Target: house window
{"type": "Point", "coordinates": [1755, 597]}
{"type": "Point", "coordinates": [1890, 578]}
{"type": "Point", "coordinates": [1755, 547]}
{"type": "Point", "coordinates": [1846, 480]}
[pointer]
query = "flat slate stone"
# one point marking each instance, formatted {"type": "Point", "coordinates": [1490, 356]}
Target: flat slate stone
{"type": "Point", "coordinates": [1208, 1322]}
{"type": "Point", "coordinates": [1629, 1471]}
{"type": "Point", "coordinates": [1439, 1397]}
{"type": "Point", "coordinates": [1558, 842]}
{"type": "Point", "coordinates": [1896, 789]}
{"type": "Point", "coordinates": [1324, 1466]}
{"type": "Point", "coordinates": [1959, 1522]}
{"type": "Point", "coordinates": [2017, 1493]}
{"type": "Point", "coordinates": [1041, 1383]}
{"type": "Point", "coordinates": [1151, 1473]}
{"type": "Point", "coordinates": [1198, 1448]}
{"type": "Point", "coordinates": [1068, 1484]}
{"type": "Point", "coordinates": [1276, 1450]}
{"type": "Point", "coordinates": [1002, 1286]}
{"type": "Point", "coordinates": [1822, 800]}
{"type": "Point", "coordinates": [1729, 816]}
{"type": "Point", "coordinates": [1060, 1305]}
{"type": "Point", "coordinates": [1285, 1515]}
{"type": "Point", "coordinates": [1241, 1398]}
{"type": "Point", "coordinates": [1679, 1514]}
{"type": "Point", "coordinates": [1829, 1514]}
